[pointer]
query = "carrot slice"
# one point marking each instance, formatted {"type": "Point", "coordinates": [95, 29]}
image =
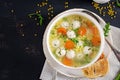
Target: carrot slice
{"type": "Point", "coordinates": [89, 24]}
{"type": "Point", "coordinates": [92, 27]}
{"type": "Point", "coordinates": [94, 30]}
{"type": "Point", "coordinates": [96, 41]}
{"type": "Point", "coordinates": [62, 30]}
{"type": "Point", "coordinates": [67, 61]}
{"type": "Point", "coordinates": [69, 44]}
{"type": "Point", "coordinates": [82, 31]}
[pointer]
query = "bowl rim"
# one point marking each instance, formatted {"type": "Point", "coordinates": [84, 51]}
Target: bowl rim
{"type": "Point", "coordinates": [63, 14]}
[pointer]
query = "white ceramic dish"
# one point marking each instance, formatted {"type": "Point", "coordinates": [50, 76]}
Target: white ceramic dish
{"type": "Point", "coordinates": [101, 1]}
{"type": "Point", "coordinates": [72, 72]}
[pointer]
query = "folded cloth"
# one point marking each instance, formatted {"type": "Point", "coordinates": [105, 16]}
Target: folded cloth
{"type": "Point", "coordinates": [48, 72]}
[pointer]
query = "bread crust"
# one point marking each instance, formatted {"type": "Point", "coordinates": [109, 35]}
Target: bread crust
{"type": "Point", "coordinates": [99, 68]}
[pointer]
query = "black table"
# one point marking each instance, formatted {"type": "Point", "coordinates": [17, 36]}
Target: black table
{"type": "Point", "coordinates": [21, 52]}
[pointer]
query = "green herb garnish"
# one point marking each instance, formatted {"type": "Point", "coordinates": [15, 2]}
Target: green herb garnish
{"type": "Point", "coordinates": [117, 77]}
{"type": "Point", "coordinates": [65, 19]}
{"type": "Point", "coordinates": [39, 17]}
{"type": "Point", "coordinates": [106, 29]}
{"type": "Point", "coordinates": [87, 58]}
{"type": "Point", "coordinates": [76, 31]}
{"type": "Point", "coordinates": [118, 3]}
{"type": "Point", "coordinates": [75, 40]}
{"type": "Point", "coordinates": [86, 42]}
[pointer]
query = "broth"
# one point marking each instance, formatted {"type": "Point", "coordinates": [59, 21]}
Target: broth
{"type": "Point", "coordinates": [74, 40]}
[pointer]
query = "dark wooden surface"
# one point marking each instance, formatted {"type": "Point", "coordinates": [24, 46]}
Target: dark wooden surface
{"type": "Point", "coordinates": [21, 56]}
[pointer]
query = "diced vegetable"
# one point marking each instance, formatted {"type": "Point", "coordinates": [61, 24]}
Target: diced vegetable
{"type": "Point", "coordinates": [92, 27]}
{"type": "Point", "coordinates": [89, 24]}
{"type": "Point", "coordinates": [69, 44]}
{"type": "Point", "coordinates": [87, 59]}
{"type": "Point", "coordinates": [62, 30]}
{"type": "Point", "coordinates": [94, 30]}
{"type": "Point", "coordinates": [86, 42]}
{"type": "Point", "coordinates": [75, 40]}
{"type": "Point", "coordinates": [64, 19]}
{"type": "Point", "coordinates": [67, 61]}
{"type": "Point", "coordinates": [96, 41]}
{"type": "Point", "coordinates": [76, 31]}
{"type": "Point", "coordinates": [82, 31]}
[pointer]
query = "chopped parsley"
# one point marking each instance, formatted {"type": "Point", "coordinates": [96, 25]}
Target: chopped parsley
{"type": "Point", "coordinates": [75, 40]}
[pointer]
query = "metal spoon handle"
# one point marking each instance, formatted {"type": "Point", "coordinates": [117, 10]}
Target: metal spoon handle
{"type": "Point", "coordinates": [116, 52]}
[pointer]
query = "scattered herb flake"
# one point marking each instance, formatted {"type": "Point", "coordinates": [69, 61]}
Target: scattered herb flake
{"type": "Point", "coordinates": [117, 77]}
{"type": "Point", "coordinates": [75, 40]}
{"type": "Point", "coordinates": [65, 19]}
{"type": "Point", "coordinates": [39, 17]}
{"type": "Point", "coordinates": [86, 42]}
{"type": "Point", "coordinates": [118, 3]}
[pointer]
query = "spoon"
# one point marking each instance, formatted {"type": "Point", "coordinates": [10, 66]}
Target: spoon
{"type": "Point", "coordinates": [116, 52]}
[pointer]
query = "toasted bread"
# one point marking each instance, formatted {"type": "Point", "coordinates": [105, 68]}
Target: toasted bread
{"type": "Point", "coordinates": [99, 68]}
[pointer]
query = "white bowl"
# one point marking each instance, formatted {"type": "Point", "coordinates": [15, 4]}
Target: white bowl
{"type": "Point", "coordinates": [50, 57]}
{"type": "Point", "coordinates": [101, 1]}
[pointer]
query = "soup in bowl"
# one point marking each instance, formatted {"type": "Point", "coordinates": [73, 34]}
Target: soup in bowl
{"type": "Point", "coordinates": [75, 40]}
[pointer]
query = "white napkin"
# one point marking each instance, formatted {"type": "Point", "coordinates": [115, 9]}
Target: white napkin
{"type": "Point", "coordinates": [48, 72]}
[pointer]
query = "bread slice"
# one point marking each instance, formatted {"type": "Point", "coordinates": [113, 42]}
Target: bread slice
{"type": "Point", "coordinates": [99, 68]}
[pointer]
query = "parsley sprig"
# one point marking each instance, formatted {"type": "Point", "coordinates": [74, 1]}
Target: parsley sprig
{"type": "Point", "coordinates": [118, 3]}
{"type": "Point", "coordinates": [39, 17]}
{"type": "Point", "coordinates": [117, 77]}
{"type": "Point", "coordinates": [106, 29]}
